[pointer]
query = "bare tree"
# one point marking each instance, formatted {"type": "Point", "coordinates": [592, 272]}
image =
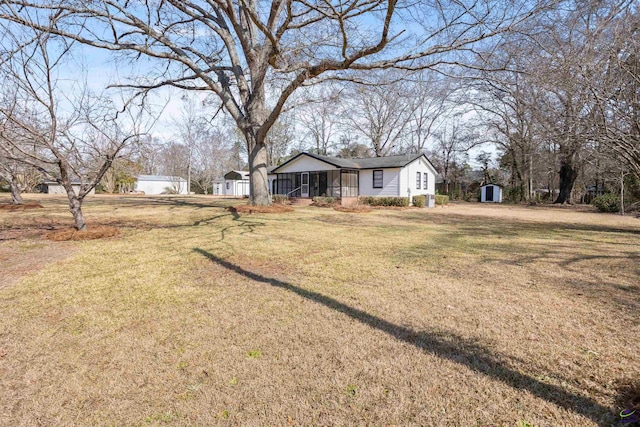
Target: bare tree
{"type": "Point", "coordinates": [617, 87]}
{"type": "Point", "coordinates": [380, 114]}
{"type": "Point", "coordinates": [320, 119]}
{"type": "Point", "coordinates": [246, 51]}
{"type": "Point", "coordinates": [280, 137]}
{"type": "Point", "coordinates": [76, 137]}
{"type": "Point", "coordinates": [452, 142]}
{"type": "Point", "coordinates": [429, 100]}
{"type": "Point", "coordinates": [10, 172]}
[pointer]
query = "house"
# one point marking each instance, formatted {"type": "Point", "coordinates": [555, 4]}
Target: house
{"type": "Point", "coordinates": [53, 187]}
{"type": "Point", "coordinates": [491, 193]}
{"type": "Point", "coordinates": [160, 184]}
{"type": "Point", "coordinates": [308, 175]}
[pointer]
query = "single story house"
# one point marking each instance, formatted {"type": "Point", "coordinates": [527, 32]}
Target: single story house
{"type": "Point", "coordinates": [308, 175]}
{"type": "Point", "coordinates": [491, 193]}
{"type": "Point", "coordinates": [160, 184]}
{"type": "Point", "coordinates": [52, 187]}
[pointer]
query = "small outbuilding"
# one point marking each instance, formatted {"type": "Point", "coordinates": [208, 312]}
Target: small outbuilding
{"type": "Point", "coordinates": [160, 184]}
{"type": "Point", "coordinates": [491, 193]}
{"type": "Point", "coordinates": [53, 187]}
{"type": "Point", "coordinates": [236, 183]}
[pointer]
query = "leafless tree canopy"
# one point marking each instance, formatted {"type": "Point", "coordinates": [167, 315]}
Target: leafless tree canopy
{"type": "Point", "coordinates": [67, 135]}
{"type": "Point", "coordinates": [254, 55]}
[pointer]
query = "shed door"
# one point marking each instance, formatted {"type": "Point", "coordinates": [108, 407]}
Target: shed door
{"type": "Point", "coordinates": [489, 193]}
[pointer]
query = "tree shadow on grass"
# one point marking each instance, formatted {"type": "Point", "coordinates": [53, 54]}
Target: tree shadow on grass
{"type": "Point", "coordinates": [444, 345]}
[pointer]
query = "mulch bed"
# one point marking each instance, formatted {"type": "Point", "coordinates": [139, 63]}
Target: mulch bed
{"type": "Point", "coordinates": [25, 206]}
{"type": "Point", "coordinates": [274, 208]}
{"type": "Point", "coordinates": [91, 233]}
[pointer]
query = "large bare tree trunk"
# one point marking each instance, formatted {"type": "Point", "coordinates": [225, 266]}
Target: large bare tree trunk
{"type": "Point", "coordinates": [259, 184]}
{"type": "Point", "coordinates": [16, 197]}
{"type": "Point", "coordinates": [568, 175]}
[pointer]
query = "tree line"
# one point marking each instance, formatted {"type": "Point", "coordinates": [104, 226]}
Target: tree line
{"type": "Point", "coordinates": [551, 85]}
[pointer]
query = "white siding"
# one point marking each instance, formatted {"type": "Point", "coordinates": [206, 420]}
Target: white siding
{"type": "Point", "coordinates": [59, 189]}
{"type": "Point", "coordinates": [237, 188]}
{"type": "Point", "coordinates": [305, 164]}
{"type": "Point", "coordinates": [159, 187]}
{"type": "Point", "coordinates": [271, 177]}
{"type": "Point", "coordinates": [408, 178]}
{"type": "Point", "coordinates": [497, 194]}
{"type": "Point", "coordinates": [390, 183]}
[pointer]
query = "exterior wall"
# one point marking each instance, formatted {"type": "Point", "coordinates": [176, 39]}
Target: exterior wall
{"type": "Point", "coordinates": [497, 194]}
{"type": "Point", "coordinates": [59, 189]}
{"type": "Point", "coordinates": [408, 178]}
{"type": "Point", "coordinates": [271, 177]}
{"type": "Point", "coordinates": [236, 188]}
{"type": "Point", "coordinates": [159, 187]}
{"type": "Point", "coordinates": [390, 183]}
{"type": "Point", "coordinates": [306, 164]}
{"type": "Point", "coordinates": [218, 188]}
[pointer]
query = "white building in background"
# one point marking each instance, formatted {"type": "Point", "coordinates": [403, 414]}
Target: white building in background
{"type": "Point", "coordinates": [236, 184]}
{"type": "Point", "coordinates": [160, 184]}
{"type": "Point", "coordinates": [52, 187]}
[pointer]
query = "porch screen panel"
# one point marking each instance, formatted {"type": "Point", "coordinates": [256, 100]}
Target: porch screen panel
{"type": "Point", "coordinates": [333, 183]}
{"type": "Point", "coordinates": [287, 183]}
{"type": "Point", "coordinates": [349, 184]}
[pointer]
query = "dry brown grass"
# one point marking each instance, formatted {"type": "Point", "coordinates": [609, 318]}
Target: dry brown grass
{"type": "Point", "coordinates": [471, 315]}
{"type": "Point", "coordinates": [274, 208]}
{"type": "Point", "coordinates": [93, 233]}
{"type": "Point", "coordinates": [354, 208]}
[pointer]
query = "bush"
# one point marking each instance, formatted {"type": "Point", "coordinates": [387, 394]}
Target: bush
{"type": "Point", "coordinates": [279, 199]}
{"type": "Point", "coordinates": [169, 190]}
{"type": "Point", "coordinates": [419, 201]}
{"type": "Point", "coordinates": [442, 199]}
{"type": "Point", "coordinates": [607, 203]}
{"type": "Point", "coordinates": [384, 201]}
{"type": "Point", "coordinates": [324, 201]}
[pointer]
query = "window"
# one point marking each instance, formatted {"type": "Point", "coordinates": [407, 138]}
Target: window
{"type": "Point", "coordinates": [228, 185]}
{"type": "Point", "coordinates": [418, 180]}
{"type": "Point", "coordinates": [377, 179]}
{"type": "Point", "coordinates": [426, 181]}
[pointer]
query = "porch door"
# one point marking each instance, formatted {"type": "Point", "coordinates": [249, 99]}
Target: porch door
{"type": "Point", "coordinates": [489, 193]}
{"type": "Point", "coordinates": [304, 186]}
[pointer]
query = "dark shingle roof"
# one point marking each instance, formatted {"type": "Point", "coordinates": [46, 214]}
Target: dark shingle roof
{"type": "Point", "coordinates": [366, 163]}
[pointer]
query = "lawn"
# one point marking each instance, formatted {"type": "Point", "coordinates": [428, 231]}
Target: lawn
{"type": "Point", "coordinates": [468, 315]}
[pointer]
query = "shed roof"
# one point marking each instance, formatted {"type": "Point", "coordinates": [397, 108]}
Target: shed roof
{"type": "Point", "coordinates": [236, 175]}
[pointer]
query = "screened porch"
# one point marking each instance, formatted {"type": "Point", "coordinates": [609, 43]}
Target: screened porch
{"type": "Point", "coordinates": [331, 183]}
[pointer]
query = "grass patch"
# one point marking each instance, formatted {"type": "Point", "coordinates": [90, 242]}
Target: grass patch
{"type": "Point", "coordinates": [92, 233]}
{"type": "Point", "coordinates": [274, 208]}
{"type": "Point", "coordinates": [196, 315]}
{"type": "Point", "coordinates": [353, 209]}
